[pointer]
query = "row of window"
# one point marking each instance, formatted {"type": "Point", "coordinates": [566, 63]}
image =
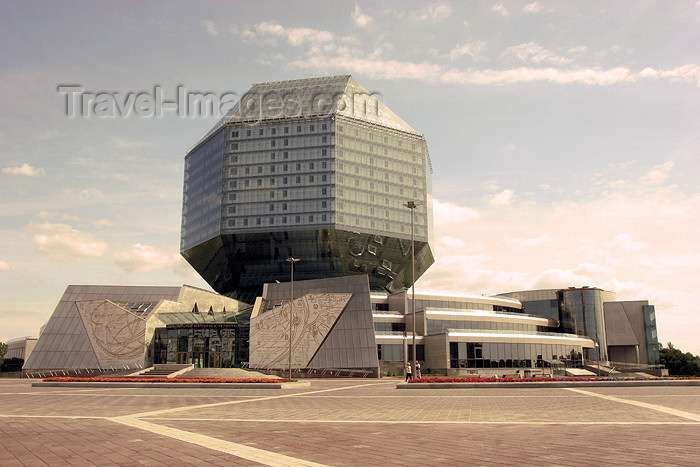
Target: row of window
{"type": "Point", "coordinates": [283, 220]}
{"type": "Point", "coordinates": [273, 130]}
{"type": "Point", "coordinates": [272, 168]}
{"type": "Point", "coordinates": [259, 183]}
{"type": "Point", "coordinates": [268, 157]}
{"type": "Point", "coordinates": [273, 143]}
{"type": "Point", "coordinates": [272, 207]}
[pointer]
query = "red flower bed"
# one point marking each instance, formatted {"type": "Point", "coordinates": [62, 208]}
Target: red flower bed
{"type": "Point", "coordinates": [520, 380]}
{"type": "Point", "coordinates": [106, 379]}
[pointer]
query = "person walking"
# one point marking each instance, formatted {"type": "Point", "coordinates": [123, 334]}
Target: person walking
{"type": "Point", "coordinates": [408, 371]}
{"type": "Point", "coordinates": [418, 375]}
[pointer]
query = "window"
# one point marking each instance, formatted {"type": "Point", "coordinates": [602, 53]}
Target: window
{"type": "Point", "coordinates": [325, 139]}
{"type": "Point", "coordinates": [298, 128]}
{"type": "Point", "coordinates": [272, 220]}
{"type": "Point", "coordinates": [284, 180]}
{"type": "Point", "coordinates": [323, 218]}
{"type": "Point", "coordinates": [297, 219]}
{"type": "Point", "coordinates": [272, 169]}
{"type": "Point", "coordinates": [284, 206]}
{"type": "Point", "coordinates": [235, 145]}
{"type": "Point", "coordinates": [247, 132]}
{"type": "Point", "coordinates": [311, 166]}
{"type": "Point", "coordinates": [247, 183]}
{"type": "Point", "coordinates": [234, 159]}
{"type": "Point", "coordinates": [260, 132]}
{"type": "Point", "coordinates": [323, 178]}
{"type": "Point", "coordinates": [259, 182]}
{"type": "Point", "coordinates": [323, 204]}
{"type": "Point", "coordinates": [234, 134]}
{"type": "Point", "coordinates": [260, 169]}
{"type": "Point", "coordinates": [284, 220]}
{"type": "Point", "coordinates": [324, 152]}
{"type": "Point", "coordinates": [286, 142]}
{"type": "Point", "coordinates": [258, 221]}
{"type": "Point", "coordinates": [323, 164]}
{"type": "Point", "coordinates": [286, 130]}
{"type": "Point", "coordinates": [272, 208]}
{"type": "Point", "coordinates": [247, 170]}
{"type": "Point", "coordinates": [286, 155]}
{"type": "Point", "coordinates": [323, 191]}
{"type": "Point", "coordinates": [298, 166]}
{"type": "Point", "coordinates": [324, 126]}
{"type": "Point", "coordinates": [272, 156]}
{"type": "Point", "coordinates": [311, 128]}
{"type": "Point", "coordinates": [272, 181]}
{"type": "Point", "coordinates": [273, 131]}
{"type": "Point", "coordinates": [284, 193]}
{"type": "Point", "coordinates": [245, 222]}
{"type": "Point", "coordinates": [311, 217]}
{"type": "Point", "coordinates": [272, 195]}
{"type": "Point", "coordinates": [285, 167]}
{"type": "Point", "coordinates": [272, 143]}
{"type": "Point", "coordinates": [298, 180]}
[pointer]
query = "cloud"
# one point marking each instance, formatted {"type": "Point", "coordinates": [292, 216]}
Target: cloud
{"type": "Point", "coordinates": [142, 258]}
{"type": "Point", "coordinates": [534, 53]}
{"type": "Point", "coordinates": [128, 144]}
{"type": "Point", "coordinates": [435, 13]}
{"type": "Point", "coordinates": [659, 174]}
{"type": "Point", "coordinates": [52, 215]}
{"type": "Point", "coordinates": [210, 27]}
{"type": "Point", "coordinates": [503, 198]}
{"type": "Point", "coordinates": [4, 266]}
{"type": "Point", "coordinates": [533, 7]}
{"type": "Point", "coordinates": [360, 19]}
{"type": "Point", "coordinates": [24, 169]}
{"type": "Point", "coordinates": [527, 242]}
{"type": "Point", "coordinates": [500, 9]}
{"type": "Point", "coordinates": [452, 213]}
{"type": "Point", "coordinates": [472, 49]}
{"type": "Point", "coordinates": [625, 242]}
{"type": "Point", "coordinates": [293, 36]}
{"type": "Point", "coordinates": [63, 242]}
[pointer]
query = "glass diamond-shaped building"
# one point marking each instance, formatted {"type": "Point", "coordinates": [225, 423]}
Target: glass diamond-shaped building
{"type": "Point", "coordinates": [317, 169]}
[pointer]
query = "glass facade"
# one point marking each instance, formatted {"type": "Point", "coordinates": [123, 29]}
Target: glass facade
{"type": "Point", "coordinates": [581, 313]}
{"type": "Point", "coordinates": [394, 352]}
{"type": "Point", "coordinates": [318, 169]}
{"type": "Point", "coordinates": [512, 355]}
{"type": "Point", "coordinates": [651, 334]}
{"type": "Point", "coordinates": [204, 346]}
{"type": "Point", "coordinates": [438, 326]}
{"type": "Point", "coordinates": [422, 304]}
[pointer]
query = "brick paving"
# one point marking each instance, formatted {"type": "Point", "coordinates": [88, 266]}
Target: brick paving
{"type": "Point", "coordinates": [347, 422]}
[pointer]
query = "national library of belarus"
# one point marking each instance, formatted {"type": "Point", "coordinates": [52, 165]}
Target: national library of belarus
{"type": "Point", "coordinates": [317, 180]}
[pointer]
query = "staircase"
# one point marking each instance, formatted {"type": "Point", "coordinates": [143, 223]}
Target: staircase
{"type": "Point", "coordinates": [224, 373]}
{"type": "Point", "coordinates": [162, 371]}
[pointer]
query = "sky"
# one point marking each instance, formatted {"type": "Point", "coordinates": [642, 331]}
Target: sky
{"type": "Point", "coordinates": [564, 137]}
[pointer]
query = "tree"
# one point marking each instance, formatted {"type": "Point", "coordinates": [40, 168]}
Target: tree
{"type": "Point", "coordinates": [679, 363]}
{"type": "Point", "coordinates": [3, 351]}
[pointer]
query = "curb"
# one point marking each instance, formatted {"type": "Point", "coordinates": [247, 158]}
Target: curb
{"type": "Point", "coordinates": [102, 384]}
{"type": "Point", "coordinates": [550, 384]}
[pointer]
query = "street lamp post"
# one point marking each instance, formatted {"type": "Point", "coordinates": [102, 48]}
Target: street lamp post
{"type": "Point", "coordinates": [597, 349]}
{"type": "Point", "coordinates": [412, 206]}
{"type": "Point", "coordinates": [291, 311]}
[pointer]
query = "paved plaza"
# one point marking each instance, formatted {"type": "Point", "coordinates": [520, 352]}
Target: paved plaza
{"type": "Point", "coordinates": [348, 422]}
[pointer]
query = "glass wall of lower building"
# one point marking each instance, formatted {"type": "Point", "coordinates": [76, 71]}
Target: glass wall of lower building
{"type": "Point", "coordinates": [213, 346]}
{"type": "Point", "coordinates": [438, 326]}
{"type": "Point", "coordinates": [394, 352]}
{"type": "Point", "coordinates": [512, 355]}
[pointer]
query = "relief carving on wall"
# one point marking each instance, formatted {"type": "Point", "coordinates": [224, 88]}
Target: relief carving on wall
{"type": "Point", "coordinates": [313, 317]}
{"type": "Point", "coordinates": [116, 335]}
